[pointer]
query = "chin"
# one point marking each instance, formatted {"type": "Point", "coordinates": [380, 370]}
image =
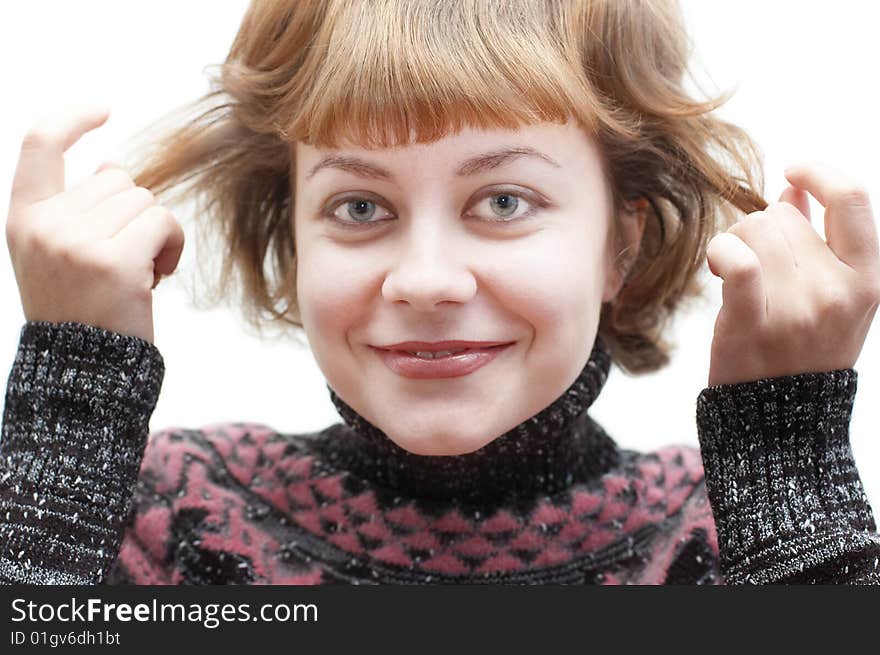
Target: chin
{"type": "Point", "coordinates": [440, 443]}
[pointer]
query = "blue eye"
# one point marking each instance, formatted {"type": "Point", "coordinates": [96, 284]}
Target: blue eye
{"type": "Point", "coordinates": [360, 212]}
{"type": "Point", "coordinates": [360, 209]}
{"type": "Point", "coordinates": [504, 205]}
{"type": "Point", "coordinates": [508, 204]}
{"type": "Point", "coordinates": [356, 212]}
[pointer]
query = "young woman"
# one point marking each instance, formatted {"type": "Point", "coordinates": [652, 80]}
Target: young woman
{"type": "Point", "coordinates": [471, 209]}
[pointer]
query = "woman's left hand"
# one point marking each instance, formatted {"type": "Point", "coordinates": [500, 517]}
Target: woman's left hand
{"type": "Point", "coordinates": [793, 303]}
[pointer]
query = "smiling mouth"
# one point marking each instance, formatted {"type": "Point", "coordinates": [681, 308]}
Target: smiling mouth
{"type": "Point", "coordinates": [441, 349]}
{"type": "Point", "coordinates": [442, 354]}
{"type": "Point", "coordinates": [449, 363]}
{"type": "Point", "coordinates": [427, 354]}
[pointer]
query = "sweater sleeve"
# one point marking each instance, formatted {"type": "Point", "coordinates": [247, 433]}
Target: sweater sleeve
{"type": "Point", "coordinates": [75, 423]}
{"type": "Point", "coordinates": [788, 502]}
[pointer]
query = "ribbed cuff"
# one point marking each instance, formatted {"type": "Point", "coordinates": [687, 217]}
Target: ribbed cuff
{"type": "Point", "coordinates": [90, 362]}
{"type": "Point", "coordinates": [76, 421]}
{"type": "Point", "coordinates": [84, 394]}
{"type": "Point", "coordinates": [780, 474]}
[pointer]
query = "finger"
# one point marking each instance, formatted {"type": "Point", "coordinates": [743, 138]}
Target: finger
{"type": "Point", "coordinates": [105, 165]}
{"type": "Point", "coordinates": [39, 173]}
{"type": "Point", "coordinates": [803, 241]}
{"type": "Point", "coordinates": [155, 232]}
{"type": "Point", "coordinates": [738, 266]}
{"type": "Point", "coordinates": [761, 232]}
{"type": "Point", "coordinates": [798, 198]}
{"type": "Point", "coordinates": [98, 187]}
{"type": "Point", "coordinates": [108, 217]}
{"type": "Point", "coordinates": [849, 220]}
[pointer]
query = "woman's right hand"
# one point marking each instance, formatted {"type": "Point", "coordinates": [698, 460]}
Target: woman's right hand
{"type": "Point", "coordinates": [92, 254]}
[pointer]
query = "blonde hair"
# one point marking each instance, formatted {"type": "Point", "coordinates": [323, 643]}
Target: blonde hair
{"type": "Point", "coordinates": [380, 73]}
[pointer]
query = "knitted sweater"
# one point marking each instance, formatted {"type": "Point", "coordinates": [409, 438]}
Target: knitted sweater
{"type": "Point", "coordinates": [771, 496]}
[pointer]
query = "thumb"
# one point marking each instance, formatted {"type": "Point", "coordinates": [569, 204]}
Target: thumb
{"type": "Point", "coordinates": [798, 198]}
{"type": "Point", "coordinates": [105, 165]}
{"type": "Point", "coordinates": [738, 266]}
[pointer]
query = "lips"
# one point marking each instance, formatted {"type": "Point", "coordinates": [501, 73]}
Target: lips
{"type": "Point", "coordinates": [429, 354]}
{"type": "Point", "coordinates": [435, 362]}
{"type": "Point", "coordinates": [434, 346]}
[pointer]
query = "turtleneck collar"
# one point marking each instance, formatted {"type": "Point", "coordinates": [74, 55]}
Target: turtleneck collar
{"type": "Point", "coordinates": [548, 452]}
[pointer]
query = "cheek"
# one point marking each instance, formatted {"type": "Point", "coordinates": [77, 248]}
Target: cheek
{"type": "Point", "coordinates": [330, 288]}
{"type": "Point", "coordinates": [554, 283]}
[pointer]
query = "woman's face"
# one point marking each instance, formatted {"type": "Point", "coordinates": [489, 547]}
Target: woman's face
{"type": "Point", "coordinates": [484, 236]}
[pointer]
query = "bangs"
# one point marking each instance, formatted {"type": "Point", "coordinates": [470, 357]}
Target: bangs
{"type": "Point", "coordinates": [387, 73]}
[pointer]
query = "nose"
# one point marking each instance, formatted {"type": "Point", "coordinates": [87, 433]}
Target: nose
{"type": "Point", "coordinates": [429, 270]}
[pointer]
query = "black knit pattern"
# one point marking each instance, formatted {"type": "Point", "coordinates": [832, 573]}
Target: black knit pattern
{"type": "Point", "coordinates": [75, 424]}
{"type": "Point", "coordinates": [782, 480]}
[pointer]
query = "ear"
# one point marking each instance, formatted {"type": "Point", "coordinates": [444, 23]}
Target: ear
{"type": "Point", "coordinates": [623, 253]}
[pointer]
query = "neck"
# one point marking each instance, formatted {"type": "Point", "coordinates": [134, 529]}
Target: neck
{"type": "Point", "coordinates": [548, 452]}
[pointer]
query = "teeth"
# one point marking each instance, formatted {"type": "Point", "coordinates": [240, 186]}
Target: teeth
{"type": "Point", "coordinates": [434, 355]}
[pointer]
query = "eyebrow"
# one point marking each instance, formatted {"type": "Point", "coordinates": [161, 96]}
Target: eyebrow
{"type": "Point", "coordinates": [471, 166]}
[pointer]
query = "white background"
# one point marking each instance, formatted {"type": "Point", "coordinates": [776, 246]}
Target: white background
{"type": "Point", "coordinates": [806, 81]}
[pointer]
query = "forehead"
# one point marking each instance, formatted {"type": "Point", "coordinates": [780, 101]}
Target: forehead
{"type": "Point", "coordinates": [470, 151]}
